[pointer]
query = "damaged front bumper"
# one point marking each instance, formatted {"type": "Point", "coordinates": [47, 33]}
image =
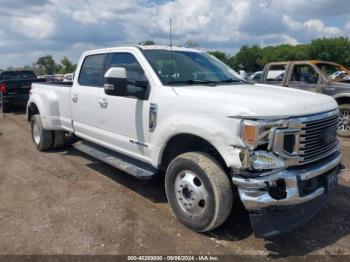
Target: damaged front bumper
{"type": "Point", "coordinates": [282, 201]}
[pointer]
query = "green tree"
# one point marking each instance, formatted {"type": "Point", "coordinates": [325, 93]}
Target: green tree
{"type": "Point", "coordinates": [147, 42]}
{"type": "Point", "coordinates": [46, 65]}
{"type": "Point", "coordinates": [247, 59]}
{"type": "Point", "coordinates": [66, 66]}
{"type": "Point", "coordinates": [331, 49]}
{"type": "Point", "coordinates": [221, 56]}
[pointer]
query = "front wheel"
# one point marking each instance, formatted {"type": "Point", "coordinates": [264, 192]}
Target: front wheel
{"type": "Point", "coordinates": [199, 192]}
{"type": "Point", "coordinates": [344, 120]}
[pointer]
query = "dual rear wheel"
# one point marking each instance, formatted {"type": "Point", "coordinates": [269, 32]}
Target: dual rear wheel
{"type": "Point", "coordinates": [46, 139]}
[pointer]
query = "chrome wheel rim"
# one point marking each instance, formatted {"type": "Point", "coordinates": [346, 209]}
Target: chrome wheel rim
{"type": "Point", "coordinates": [36, 133]}
{"type": "Point", "coordinates": [344, 120]}
{"type": "Point", "coordinates": [191, 194]}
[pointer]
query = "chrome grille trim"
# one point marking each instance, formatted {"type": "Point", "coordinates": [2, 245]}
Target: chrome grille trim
{"type": "Point", "coordinates": [308, 130]}
{"type": "Point", "coordinates": [310, 147]}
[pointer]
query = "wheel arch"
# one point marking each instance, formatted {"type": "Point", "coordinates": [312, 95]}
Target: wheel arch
{"type": "Point", "coordinates": [342, 99]}
{"type": "Point", "coordinates": [187, 142]}
{"type": "Point", "coordinates": [32, 109]}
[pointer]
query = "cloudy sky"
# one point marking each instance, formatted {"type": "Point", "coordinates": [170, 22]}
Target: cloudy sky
{"type": "Point", "coordinates": [32, 28]}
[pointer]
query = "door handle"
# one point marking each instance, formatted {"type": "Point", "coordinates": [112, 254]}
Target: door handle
{"type": "Point", "coordinates": [103, 102]}
{"type": "Point", "coordinates": [75, 98]}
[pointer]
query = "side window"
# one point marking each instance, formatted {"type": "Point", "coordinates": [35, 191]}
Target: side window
{"type": "Point", "coordinates": [304, 73]}
{"type": "Point", "coordinates": [276, 73]}
{"type": "Point", "coordinates": [137, 81]}
{"type": "Point", "coordinates": [92, 70]}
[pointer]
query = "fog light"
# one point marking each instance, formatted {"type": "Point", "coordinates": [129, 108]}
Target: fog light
{"type": "Point", "coordinates": [262, 160]}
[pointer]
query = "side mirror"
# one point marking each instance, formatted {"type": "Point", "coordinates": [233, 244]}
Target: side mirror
{"type": "Point", "coordinates": [115, 81]}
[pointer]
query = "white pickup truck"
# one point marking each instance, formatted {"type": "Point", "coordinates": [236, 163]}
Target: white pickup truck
{"type": "Point", "coordinates": [179, 110]}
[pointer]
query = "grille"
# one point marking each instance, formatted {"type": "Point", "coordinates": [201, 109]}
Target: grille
{"type": "Point", "coordinates": [318, 137]}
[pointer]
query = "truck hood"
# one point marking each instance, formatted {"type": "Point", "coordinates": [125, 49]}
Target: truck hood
{"type": "Point", "coordinates": [259, 101]}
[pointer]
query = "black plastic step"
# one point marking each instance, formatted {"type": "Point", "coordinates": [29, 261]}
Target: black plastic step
{"type": "Point", "coordinates": [127, 164]}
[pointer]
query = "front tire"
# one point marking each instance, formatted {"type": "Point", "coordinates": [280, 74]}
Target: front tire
{"type": "Point", "coordinates": [199, 192]}
{"type": "Point", "coordinates": [43, 139]}
{"type": "Point", "coordinates": [344, 120]}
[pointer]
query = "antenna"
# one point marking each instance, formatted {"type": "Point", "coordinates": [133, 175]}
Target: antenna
{"type": "Point", "coordinates": [171, 51]}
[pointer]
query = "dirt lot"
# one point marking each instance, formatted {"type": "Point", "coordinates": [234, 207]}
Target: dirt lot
{"type": "Point", "coordinates": [64, 202]}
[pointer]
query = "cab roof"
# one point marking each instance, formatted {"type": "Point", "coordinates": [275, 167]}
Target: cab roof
{"type": "Point", "coordinates": [141, 47]}
{"type": "Point", "coordinates": [314, 62]}
{"type": "Point", "coordinates": [167, 47]}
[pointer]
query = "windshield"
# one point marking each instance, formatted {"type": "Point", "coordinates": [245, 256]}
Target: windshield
{"type": "Point", "coordinates": [186, 68]}
{"type": "Point", "coordinates": [16, 75]}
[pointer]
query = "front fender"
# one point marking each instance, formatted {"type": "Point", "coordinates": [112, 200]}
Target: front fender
{"type": "Point", "coordinates": [221, 132]}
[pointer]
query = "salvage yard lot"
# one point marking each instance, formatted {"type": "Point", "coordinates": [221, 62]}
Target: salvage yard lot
{"type": "Point", "coordinates": [64, 202]}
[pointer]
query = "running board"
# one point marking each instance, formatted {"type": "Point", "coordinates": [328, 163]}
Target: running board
{"type": "Point", "coordinates": [127, 164]}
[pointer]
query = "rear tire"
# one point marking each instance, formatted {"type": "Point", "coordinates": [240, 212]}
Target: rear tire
{"type": "Point", "coordinates": [344, 120]}
{"type": "Point", "coordinates": [43, 139]}
{"type": "Point", "coordinates": [59, 139]}
{"type": "Point", "coordinates": [199, 192]}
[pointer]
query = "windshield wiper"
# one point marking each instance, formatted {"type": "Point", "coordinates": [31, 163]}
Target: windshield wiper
{"type": "Point", "coordinates": [230, 80]}
{"type": "Point", "coordinates": [193, 82]}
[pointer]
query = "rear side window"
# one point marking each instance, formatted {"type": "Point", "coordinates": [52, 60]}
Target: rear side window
{"type": "Point", "coordinates": [92, 70]}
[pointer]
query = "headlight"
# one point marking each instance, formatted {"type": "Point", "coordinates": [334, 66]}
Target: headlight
{"type": "Point", "coordinates": [258, 137]}
{"type": "Point", "coordinates": [262, 160]}
{"type": "Point", "coordinates": [255, 133]}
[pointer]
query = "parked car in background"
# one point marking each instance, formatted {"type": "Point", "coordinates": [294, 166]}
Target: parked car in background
{"type": "Point", "coordinates": [14, 87]}
{"type": "Point", "coordinates": [273, 74]}
{"type": "Point", "coordinates": [255, 77]}
{"type": "Point", "coordinates": [68, 77]}
{"type": "Point", "coordinates": [148, 108]}
{"type": "Point", "coordinates": [338, 75]}
{"type": "Point", "coordinates": [58, 77]}
{"type": "Point", "coordinates": [48, 78]}
{"type": "Point", "coordinates": [315, 76]}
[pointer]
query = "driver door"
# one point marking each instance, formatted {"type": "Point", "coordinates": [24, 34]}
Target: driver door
{"type": "Point", "coordinates": [123, 119]}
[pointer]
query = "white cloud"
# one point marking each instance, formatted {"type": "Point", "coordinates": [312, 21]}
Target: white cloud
{"type": "Point", "coordinates": [39, 26]}
{"type": "Point", "coordinates": [311, 27]}
{"type": "Point", "coordinates": [317, 26]}
{"type": "Point", "coordinates": [69, 27]}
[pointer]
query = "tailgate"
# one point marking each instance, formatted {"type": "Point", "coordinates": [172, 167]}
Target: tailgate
{"type": "Point", "coordinates": [18, 87]}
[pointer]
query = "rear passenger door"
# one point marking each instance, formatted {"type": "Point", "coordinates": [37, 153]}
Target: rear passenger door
{"type": "Point", "coordinates": [84, 97]}
{"type": "Point", "coordinates": [123, 119]}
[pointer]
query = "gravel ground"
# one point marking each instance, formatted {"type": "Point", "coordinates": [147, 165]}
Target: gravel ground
{"type": "Point", "coordinates": [64, 202]}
